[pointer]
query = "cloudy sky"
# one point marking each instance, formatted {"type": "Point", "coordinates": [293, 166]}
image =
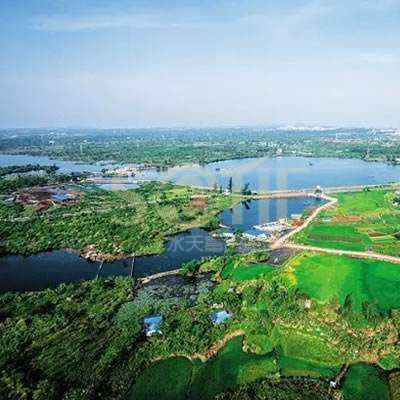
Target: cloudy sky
{"type": "Point", "coordinates": [134, 63]}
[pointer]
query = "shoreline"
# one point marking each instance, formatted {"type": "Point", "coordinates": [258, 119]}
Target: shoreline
{"type": "Point", "coordinates": [152, 166]}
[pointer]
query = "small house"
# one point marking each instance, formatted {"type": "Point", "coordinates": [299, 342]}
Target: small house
{"type": "Point", "coordinates": [152, 324]}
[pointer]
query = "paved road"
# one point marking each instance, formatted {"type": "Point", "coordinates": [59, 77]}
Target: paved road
{"type": "Point", "coordinates": [356, 254]}
{"type": "Point", "coordinates": [281, 242]}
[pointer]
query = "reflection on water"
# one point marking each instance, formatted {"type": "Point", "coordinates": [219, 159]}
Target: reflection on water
{"type": "Point", "coordinates": [245, 215]}
{"type": "Point", "coordinates": [49, 269]}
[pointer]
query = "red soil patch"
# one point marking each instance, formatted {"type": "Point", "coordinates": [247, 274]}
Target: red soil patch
{"type": "Point", "coordinates": [298, 222]}
{"type": "Point", "coordinates": [199, 202]}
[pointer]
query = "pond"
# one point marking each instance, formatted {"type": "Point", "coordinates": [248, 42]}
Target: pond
{"type": "Point", "coordinates": [245, 215]}
{"type": "Point", "coordinates": [115, 187]}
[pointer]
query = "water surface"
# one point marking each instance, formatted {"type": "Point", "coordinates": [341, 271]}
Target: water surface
{"type": "Point", "coordinates": [282, 173]}
{"type": "Point", "coordinates": [49, 269]}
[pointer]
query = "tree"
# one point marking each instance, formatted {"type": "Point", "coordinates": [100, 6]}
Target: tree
{"type": "Point", "coordinates": [230, 185]}
{"type": "Point", "coordinates": [347, 305]}
{"type": "Point", "coordinates": [246, 190]}
{"type": "Point", "coordinates": [370, 311]}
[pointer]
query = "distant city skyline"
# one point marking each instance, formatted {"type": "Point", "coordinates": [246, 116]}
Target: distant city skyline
{"type": "Point", "coordinates": [132, 64]}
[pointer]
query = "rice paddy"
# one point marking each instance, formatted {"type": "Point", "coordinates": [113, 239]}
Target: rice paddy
{"type": "Point", "coordinates": [362, 221]}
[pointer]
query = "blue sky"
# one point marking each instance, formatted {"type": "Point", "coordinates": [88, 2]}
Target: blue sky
{"type": "Point", "coordinates": [127, 63]}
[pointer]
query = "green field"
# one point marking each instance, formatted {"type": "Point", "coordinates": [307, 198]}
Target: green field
{"type": "Point", "coordinates": [362, 221]}
{"type": "Point", "coordinates": [326, 276]}
{"type": "Point", "coordinates": [364, 382]}
{"type": "Point", "coordinates": [167, 379]}
{"type": "Point", "coordinates": [176, 378]}
{"type": "Point", "coordinates": [337, 237]}
{"type": "Point", "coordinates": [291, 366]}
{"type": "Point", "coordinates": [303, 354]}
{"type": "Point", "coordinates": [251, 272]}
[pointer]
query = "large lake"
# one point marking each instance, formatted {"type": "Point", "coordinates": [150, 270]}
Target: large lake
{"type": "Point", "coordinates": [262, 174]}
{"type": "Point", "coordinates": [283, 173]}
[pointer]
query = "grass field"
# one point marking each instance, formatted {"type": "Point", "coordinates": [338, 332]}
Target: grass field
{"type": "Point", "coordinates": [326, 276]}
{"type": "Point", "coordinates": [361, 221]}
{"type": "Point", "coordinates": [250, 272]}
{"type": "Point", "coordinates": [337, 237]}
{"type": "Point", "coordinates": [291, 366]}
{"type": "Point", "coordinates": [302, 354]}
{"type": "Point", "coordinates": [167, 379]}
{"type": "Point", "coordinates": [179, 378]}
{"type": "Point", "coordinates": [232, 367]}
{"type": "Point", "coordinates": [364, 382]}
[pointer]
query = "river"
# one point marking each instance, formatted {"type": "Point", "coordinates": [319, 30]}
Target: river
{"type": "Point", "coordinates": [49, 269]}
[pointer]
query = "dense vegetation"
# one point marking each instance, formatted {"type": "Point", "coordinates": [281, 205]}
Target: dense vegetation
{"type": "Point", "coordinates": [304, 320]}
{"type": "Point", "coordinates": [61, 343]}
{"type": "Point", "coordinates": [368, 220]}
{"type": "Point", "coordinates": [168, 147]}
{"type": "Point", "coordinates": [290, 389]}
{"type": "Point", "coordinates": [21, 169]}
{"type": "Point", "coordinates": [118, 223]}
{"type": "Point", "coordinates": [10, 185]}
{"type": "Point", "coordinates": [86, 341]}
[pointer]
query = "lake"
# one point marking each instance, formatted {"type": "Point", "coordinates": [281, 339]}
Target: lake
{"type": "Point", "coordinates": [282, 173]}
{"type": "Point", "coordinates": [65, 166]}
{"type": "Point", "coordinates": [279, 173]}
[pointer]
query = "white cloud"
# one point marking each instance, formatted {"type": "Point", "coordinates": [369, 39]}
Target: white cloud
{"type": "Point", "coordinates": [59, 23]}
{"type": "Point", "coordinates": [271, 18]}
